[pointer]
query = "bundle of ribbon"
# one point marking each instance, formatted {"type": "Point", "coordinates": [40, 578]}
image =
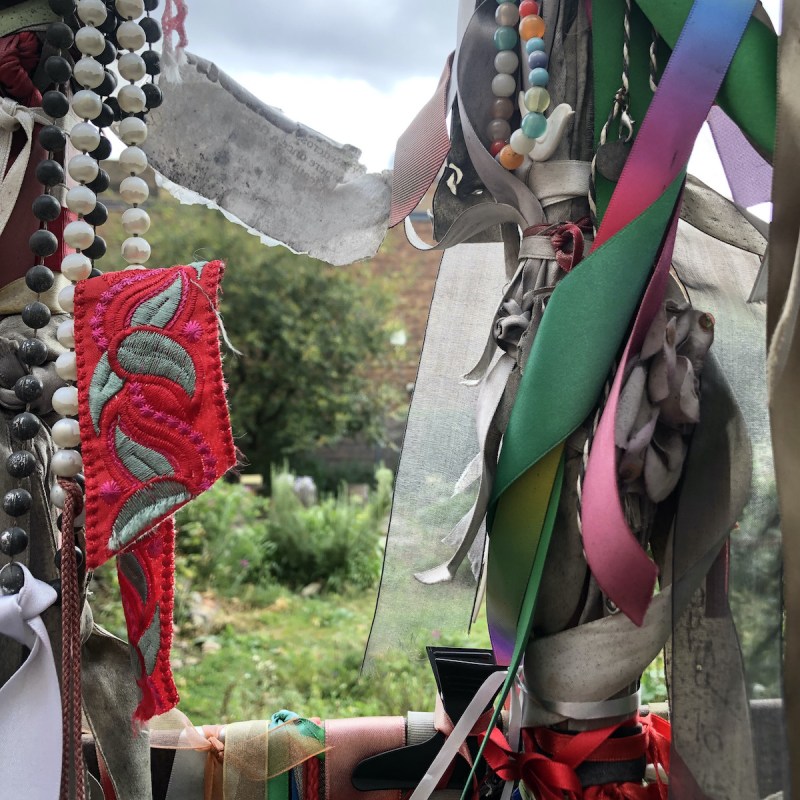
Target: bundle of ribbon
{"type": "Point", "coordinates": [243, 760]}
{"type": "Point", "coordinates": [547, 766]}
{"type": "Point", "coordinates": [614, 292]}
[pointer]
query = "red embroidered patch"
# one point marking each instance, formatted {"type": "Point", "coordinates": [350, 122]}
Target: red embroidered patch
{"type": "Point", "coordinates": [146, 585]}
{"type": "Point", "coordinates": [155, 429]}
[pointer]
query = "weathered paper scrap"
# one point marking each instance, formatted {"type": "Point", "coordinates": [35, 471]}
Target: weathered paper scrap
{"type": "Point", "coordinates": [275, 175]}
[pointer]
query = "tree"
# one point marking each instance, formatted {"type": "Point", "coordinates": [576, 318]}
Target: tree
{"type": "Point", "coordinates": [308, 333]}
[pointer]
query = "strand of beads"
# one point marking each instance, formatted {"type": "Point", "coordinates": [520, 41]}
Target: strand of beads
{"type": "Point", "coordinates": [133, 101]}
{"type": "Point", "coordinates": [510, 148]}
{"type": "Point", "coordinates": [32, 352]}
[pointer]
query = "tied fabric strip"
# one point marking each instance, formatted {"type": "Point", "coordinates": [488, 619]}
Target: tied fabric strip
{"type": "Point", "coordinates": [659, 155]}
{"type": "Point", "coordinates": [548, 766]}
{"type": "Point", "coordinates": [241, 759]}
{"type": "Point", "coordinates": [30, 722]}
{"type": "Point", "coordinates": [561, 235]}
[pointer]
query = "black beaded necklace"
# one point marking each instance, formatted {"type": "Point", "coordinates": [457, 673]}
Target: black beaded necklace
{"type": "Point", "coordinates": [96, 28]}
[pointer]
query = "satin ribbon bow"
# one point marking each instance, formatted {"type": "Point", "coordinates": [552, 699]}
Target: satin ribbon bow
{"type": "Point", "coordinates": [549, 777]}
{"type": "Point", "coordinates": [546, 778]}
{"type": "Point", "coordinates": [30, 722]}
{"type": "Point", "coordinates": [241, 758]}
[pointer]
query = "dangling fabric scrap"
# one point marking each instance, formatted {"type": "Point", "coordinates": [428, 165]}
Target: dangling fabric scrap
{"type": "Point", "coordinates": [155, 433]}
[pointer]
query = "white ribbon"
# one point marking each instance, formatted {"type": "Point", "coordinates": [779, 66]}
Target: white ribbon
{"type": "Point", "coordinates": [14, 116]}
{"type": "Point", "coordinates": [483, 697]}
{"type": "Point", "coordinates": [30, 702]}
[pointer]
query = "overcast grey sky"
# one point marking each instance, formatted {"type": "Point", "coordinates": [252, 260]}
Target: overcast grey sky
{"type": "Point", "coordinates": [380, 42]}
{"type": "Point", "coordinates": [354, 70]}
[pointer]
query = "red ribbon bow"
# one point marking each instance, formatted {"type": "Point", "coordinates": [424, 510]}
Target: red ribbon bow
{"type": "Point", "coordinates": [550, 777]}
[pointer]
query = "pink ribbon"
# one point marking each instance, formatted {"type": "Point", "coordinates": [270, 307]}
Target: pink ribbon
{"type": "Point", "coordinates": [687, 89]}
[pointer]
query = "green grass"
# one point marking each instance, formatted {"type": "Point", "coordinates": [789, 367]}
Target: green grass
{"type": "Point", "coordinates": [276, 650]}
{"type": "Point", "coordinates": [303, 654]}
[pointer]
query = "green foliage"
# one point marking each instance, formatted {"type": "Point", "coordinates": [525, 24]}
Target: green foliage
{"type": "Point", "coordinates": [308, 334]}
{"type": "Point", "coordinates": [303, 654]}
{"type": "Point", "coordinates": [336, 542]}
{"type": "Point", "coordinates": [654, 682]}
{"type": "Point", "coordinates": [221, 542]}
{"type": "Point", "coordinates": [756, 577]}
{"type": "Point", "coordinates": [330, 476]}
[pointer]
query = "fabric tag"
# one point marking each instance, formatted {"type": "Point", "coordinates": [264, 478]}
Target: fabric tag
{"type": "Point", "coordinates": [303, 189]}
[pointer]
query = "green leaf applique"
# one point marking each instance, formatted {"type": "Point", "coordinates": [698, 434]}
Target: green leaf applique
{"type": "Point", "coordinates": [159, 311]}
{"type": "Point", "coordinates": [153, 353]}
{"type": "Point", "coordinates": [142, 462]}
{"type": "Point", "coordinates": [143, 508]}
{"type": "Point", "coordinates": [104, 385]}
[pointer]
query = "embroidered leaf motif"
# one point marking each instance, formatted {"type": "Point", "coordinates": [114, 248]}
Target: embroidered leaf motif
{"type": "Point", "coordinates": [150, 642]}
{"type": "Point", "coordinates": [158, 311]}
{"type": "Point", "coordinates": [143, 508]}
{"type": "Point", "coordinates": [130, 567]}
{"type": "Point", "coordinates": [142, 462]}
{"type": "Point", "coordinates": [104, 385]}
{"type": "Point", "coordinates": [151, 353]}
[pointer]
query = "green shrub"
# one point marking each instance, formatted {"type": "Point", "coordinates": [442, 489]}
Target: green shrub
{"type": "Point", "coordinates": [336, 542]}
{"type": "Point", "coordinates": [221, 543]}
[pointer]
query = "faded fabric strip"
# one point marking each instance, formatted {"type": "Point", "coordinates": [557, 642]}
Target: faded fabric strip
{"type": "Point", "coordinates": [749, 174]}
{"type": "Point", "coordinates": [352, 740]}
{"type": "Point", "coordinates": [155, 429]}
{"type": "Point", "coordinates": [783, 365]}
{"type": "Point", "coordinates": [421, 149]}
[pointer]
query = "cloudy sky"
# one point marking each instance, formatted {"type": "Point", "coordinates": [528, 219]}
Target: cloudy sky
{"type": "Point", "coordinates": [354, 70]}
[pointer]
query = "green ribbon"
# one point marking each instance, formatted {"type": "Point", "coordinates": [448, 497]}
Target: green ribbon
{"type": "Point", "coordinates": [591, 309]}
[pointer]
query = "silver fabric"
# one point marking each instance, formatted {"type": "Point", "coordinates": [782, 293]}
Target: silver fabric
{"type": "Point", "coordinates": [719, 277]}
{"type": "Point", "coordinates": [440, 441]}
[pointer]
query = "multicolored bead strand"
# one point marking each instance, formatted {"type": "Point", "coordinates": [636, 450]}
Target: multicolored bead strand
{"type": "Point", "coordinates": [510, 148]}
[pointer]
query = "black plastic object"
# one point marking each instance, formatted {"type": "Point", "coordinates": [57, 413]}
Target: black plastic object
{"type": "Point", "coordinates": [459, 673]}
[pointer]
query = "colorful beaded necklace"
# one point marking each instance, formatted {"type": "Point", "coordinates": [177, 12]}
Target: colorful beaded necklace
{"type": "Point", "coordinates": [510, 148]}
